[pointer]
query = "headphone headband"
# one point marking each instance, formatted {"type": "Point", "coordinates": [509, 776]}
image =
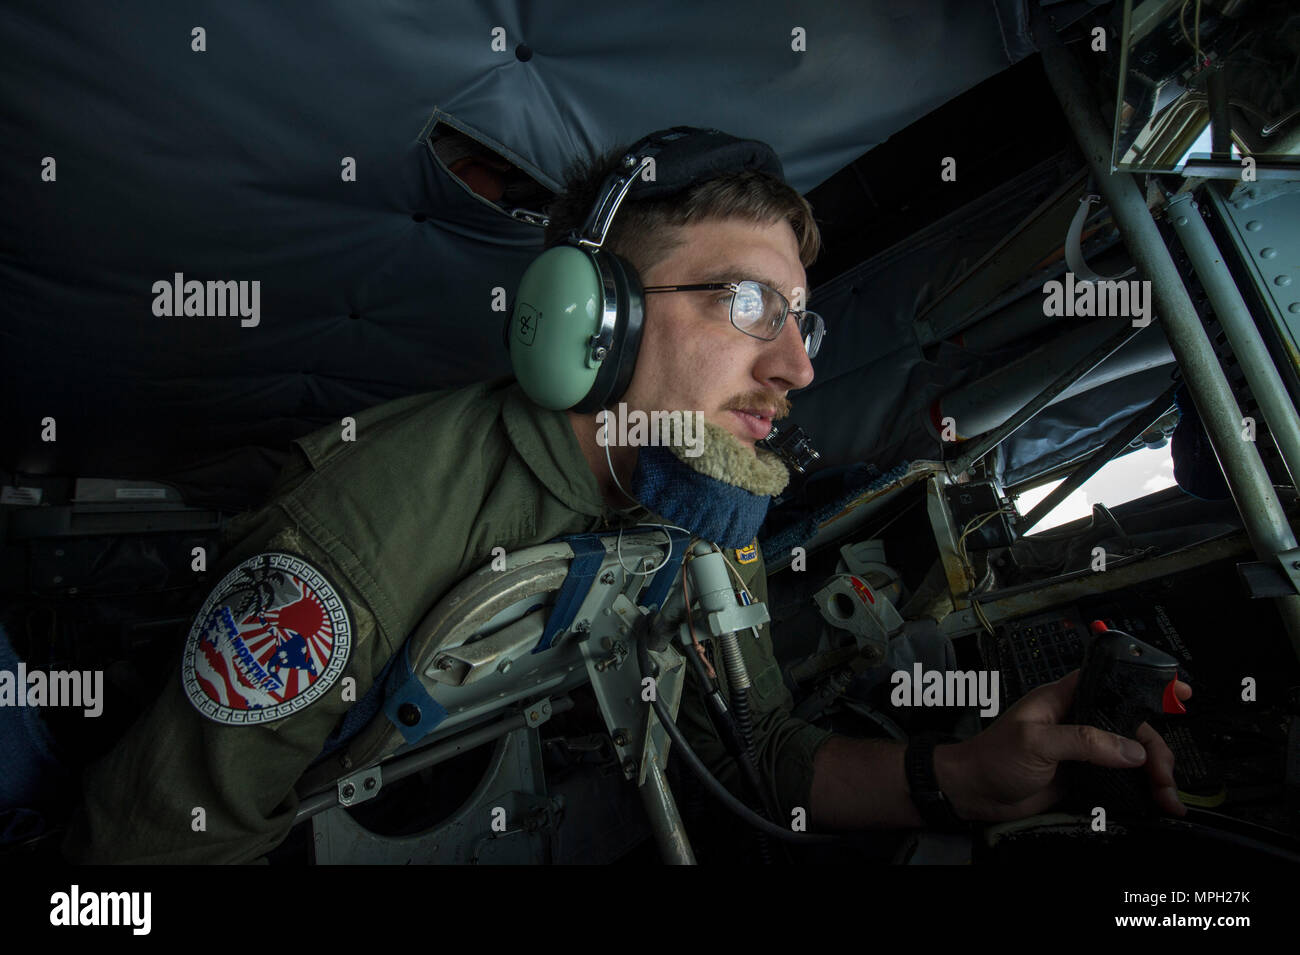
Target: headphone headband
{"type": "Point", "coordinates": [683, 156]}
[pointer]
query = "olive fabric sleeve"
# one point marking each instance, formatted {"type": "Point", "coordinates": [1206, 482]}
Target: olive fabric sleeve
{"type": "Point", "coordinates": [786, 746]}
{"type": "Point", "coordinates": [182, 788]}
{"type": "Point", "coordinates": [391, 521]}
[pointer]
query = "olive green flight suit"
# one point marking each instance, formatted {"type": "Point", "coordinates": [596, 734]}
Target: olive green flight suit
{"type": "Point", "coordinates": [393, 519]}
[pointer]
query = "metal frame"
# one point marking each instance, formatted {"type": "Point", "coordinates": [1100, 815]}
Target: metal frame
{"type": "Point", "coordinates": [1099, 459]}
{"type": "Point", "coordinates": [1266, 523]}
{"type": "Point", "coordinates": [1239, 327]}
{"type": "Point", "coordinates": [1087, 363]}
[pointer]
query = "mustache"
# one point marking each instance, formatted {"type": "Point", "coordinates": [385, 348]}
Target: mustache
{"type": "Point", "coordinates": [778, 405]}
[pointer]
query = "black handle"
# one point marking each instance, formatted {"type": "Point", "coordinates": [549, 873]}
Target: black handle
{"type": "Point", "coordinates": [1123, 684]}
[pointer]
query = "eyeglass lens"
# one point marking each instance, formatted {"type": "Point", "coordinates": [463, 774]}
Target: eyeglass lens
{"type": "Point", "coordinates": [758, 313]}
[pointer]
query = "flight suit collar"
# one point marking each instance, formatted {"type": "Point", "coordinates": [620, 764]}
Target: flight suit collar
{"type": "Point", "coordinates": [546, 442]}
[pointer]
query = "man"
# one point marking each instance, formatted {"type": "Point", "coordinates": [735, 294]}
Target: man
{"type": "Point", "coordinates": [322, 586]}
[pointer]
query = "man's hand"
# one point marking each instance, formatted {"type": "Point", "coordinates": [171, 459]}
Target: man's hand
{"type": "Point", "coordinates": [1012, 769]}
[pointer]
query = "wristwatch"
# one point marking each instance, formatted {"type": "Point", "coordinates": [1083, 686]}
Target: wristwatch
{"type": "Point", "coordinates": [923, 786]}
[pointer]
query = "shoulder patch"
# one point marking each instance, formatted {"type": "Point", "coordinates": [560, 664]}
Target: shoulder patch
{"type": "Point", "coordinates": [271, 638]}
{"type": "Point", "coordinates": [748, 554]}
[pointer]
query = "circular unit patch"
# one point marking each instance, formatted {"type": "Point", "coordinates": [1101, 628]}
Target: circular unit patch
{"type": "Point", "coordinates": [271, 639]}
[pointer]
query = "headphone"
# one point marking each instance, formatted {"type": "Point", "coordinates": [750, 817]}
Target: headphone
{"type": "Point", "coordinates": [575, 330]}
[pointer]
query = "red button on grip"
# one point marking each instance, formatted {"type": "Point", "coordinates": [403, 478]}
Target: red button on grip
{"type": "Point", "coordinates": [1172, 704]}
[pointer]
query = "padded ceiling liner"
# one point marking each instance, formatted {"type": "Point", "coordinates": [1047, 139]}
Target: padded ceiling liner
{"type": "Point", "coordinates": [226, 164]}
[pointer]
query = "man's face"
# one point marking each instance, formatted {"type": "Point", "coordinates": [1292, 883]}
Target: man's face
{"type": "Point", "coordinates": [692, 358]}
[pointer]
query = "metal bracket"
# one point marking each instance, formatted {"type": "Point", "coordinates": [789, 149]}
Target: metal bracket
{"type": "Point", "coordinates": [733, 620]}
{"type": "Point", "coordinates": [1290, 561]}
{"type": "Point", "coordinates": [1268, 579]}
{"type": "Point", "coordinates": [848, 603]}
{"type": "Point", "coordinates": [360, 787]}
{"type": "Point", "coordinates": [537, 713]}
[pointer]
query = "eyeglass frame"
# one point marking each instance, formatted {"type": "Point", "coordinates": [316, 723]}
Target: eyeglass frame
{"type": "Point", "coordinates": [819, 328]}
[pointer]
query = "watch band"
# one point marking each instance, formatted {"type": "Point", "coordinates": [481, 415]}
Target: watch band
{"type": "Point", "coordinates": [923, 785]}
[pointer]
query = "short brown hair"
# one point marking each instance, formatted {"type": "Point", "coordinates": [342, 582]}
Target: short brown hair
{"type": "Point", "coordinates": [643, 231]}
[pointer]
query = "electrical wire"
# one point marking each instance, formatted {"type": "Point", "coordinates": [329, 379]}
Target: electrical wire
{"type": "Point", "coordinates": [975, 524]}
{"type": "Point", "coordinates": [1197, 30]}
{"type": "Point", "coordinates": [735, 573]}
{"type": "Point", "coordinates": [663, 527]}
{"type": "Point", "coordinates": [618, 550]}
{"type": "Point", "coordinates": [690, 623]}
{"type": "Point", "coordinates": [643, 658]}
{"type": "Point", "coordinates": [1193, 42]}
{"type": "Point", "coordinates": [710, 782]}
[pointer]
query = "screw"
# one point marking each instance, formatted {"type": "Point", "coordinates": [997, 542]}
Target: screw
{"type": "Point", "coordinates": [620, 738]}
{"type": "Point", "coordinates": [370, 783]}
{"type": "Point", "coordinates": [601, 352]}
{"type": "Point", "coordinates": [444, 663]}
{"type": "Point", "coordinates": [629, 766]}
{"type": "Point", "coordinates": [607, 577]}
{"type": "Point", "coordinates": [504, 667]}
{"type": "Point", "coordinates": [349, 790]}
{"type": "Point", "coordinates": [1296, 564]}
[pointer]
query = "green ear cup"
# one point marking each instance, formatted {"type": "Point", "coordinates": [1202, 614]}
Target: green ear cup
{"type": "Point", "coordinates": [556, 313]}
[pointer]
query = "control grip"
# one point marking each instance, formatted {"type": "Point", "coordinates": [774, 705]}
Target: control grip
{"type": "Point", "coordinates": [1123, 683]}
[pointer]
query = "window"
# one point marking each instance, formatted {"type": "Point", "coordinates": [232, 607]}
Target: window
{"type": "Point", "coordinates": [1122, 479]}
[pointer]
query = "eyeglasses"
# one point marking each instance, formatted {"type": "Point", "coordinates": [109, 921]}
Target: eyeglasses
{"type": "Point", "coordinates": [759, 311]}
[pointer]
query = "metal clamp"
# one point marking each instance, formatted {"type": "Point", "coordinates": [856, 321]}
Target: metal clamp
{"type": "Point", "coordinates": [530, 217]}
{"type": "Point", "coordinates": [360, 787]}
{"type": "Point", "coordinates": [537, 713]}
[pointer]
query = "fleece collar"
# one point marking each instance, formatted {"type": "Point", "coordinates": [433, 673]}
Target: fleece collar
{"type": "Point", "coordinates": [721, 495]}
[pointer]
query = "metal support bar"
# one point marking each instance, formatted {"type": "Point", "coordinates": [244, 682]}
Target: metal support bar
{"type": "Point", "coordinates": [665, 820]}
{"type": "Point", "coordinates": [1260, 510]}
{"type": "Point", "coordinates": [1087, 363]}
{"type": "Point", "coordinates": [1099, 459]}
{"type": "Point", "coordinates": [404, 766]}
{"type": "Point", "coordinates": [1243, 335]}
